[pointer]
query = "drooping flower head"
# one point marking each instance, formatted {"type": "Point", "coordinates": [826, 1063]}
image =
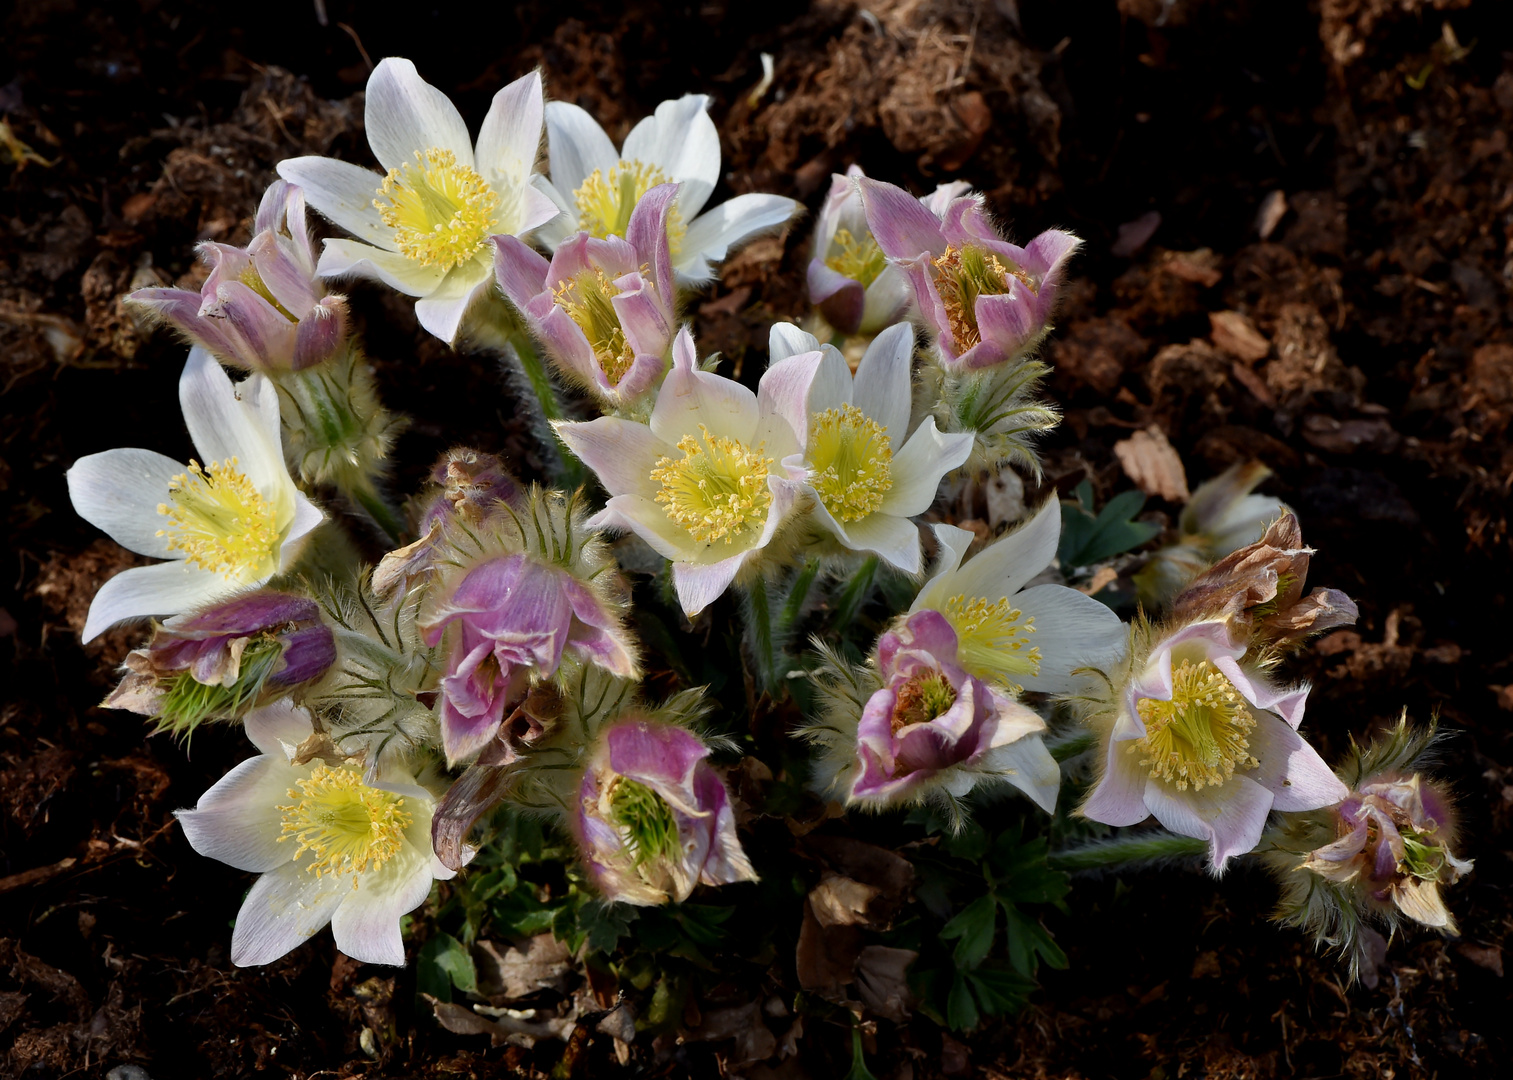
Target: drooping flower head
{"type": "Point", "coordinates": [224, 526]}
{"type": "Point", "coordinates": [985, 300]}
{"type": "Point", "coordinates": [702, 483]}
{"type": "Point", "coordinates": [868, 475]}
{"type": "Point", "coordinates": [423, 228]}
{"type": "Point", "coordinates": [604, 307]}
{"type": "Point", "coordinates": [850, 279]}
{"type": "Point", "coordinates": [329, 847]}
{"type": "Point", "coordinates": [598, 187]}
{"type": "Point", "coordinates": [262, 308]}
{"type": "Point", "coordinates": [220, 662]}
{"type": "Point", "coordinates": [653, 818]}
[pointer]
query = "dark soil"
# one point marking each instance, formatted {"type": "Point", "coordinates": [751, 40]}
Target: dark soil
{"type": "Point", "coordinates": [1383, 402]}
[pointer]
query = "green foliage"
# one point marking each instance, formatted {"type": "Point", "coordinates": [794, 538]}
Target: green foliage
{"type": "Point", "coordinates": [1087, 539]}
{"type": "Point", "coordinates": [445, 963]}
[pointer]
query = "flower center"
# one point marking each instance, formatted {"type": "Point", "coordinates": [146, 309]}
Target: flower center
{"type": "Point", "coordinates": [923, 698]}
{"type": "Point", "coordinates": [218, 519]}
{"type": "Point", "coordinates": [719, 489]}
{"type": "Point", "coordinates": [851, 462]}
{"type": "Point", "coordinates": [993, 639]}
{"type": "Point", "coordinates": [605, 202]}
{"type": "Point", "coordinates": [349, 826]}
{"type": "Point", "coordinates": [441, 212]}
{"type": "Point", "coordinates": [646, 823]}
{"type": "Point", "coordinates": [586, 299]}
{"type": "Point", "coordinates": [860, 260]}
{"type": "Point", "coordinates": [964, 274]}
{"type": "Point", "coordinates": [1200, 736]}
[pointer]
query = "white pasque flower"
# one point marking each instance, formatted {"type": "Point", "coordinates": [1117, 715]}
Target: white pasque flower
{"type": "Point", "coordinates": [598, 186]}
{"type": "Point", "coordinates": [702, 482]}
{"type": "Point", "coordinates": [423, 228]}
{"type": "Point", "coordinates": [330, 848]}
{"type": "Point", "coordinates": [865, 490]}
{"type": "Point", "coordinates": [1032, 637]}
{"type": "Point", "coordinates": [226, 525]}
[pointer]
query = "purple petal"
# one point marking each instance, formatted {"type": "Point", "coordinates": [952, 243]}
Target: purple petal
{"type": "Point", "coordinates": [520, 270]}
{"type": "Point", "coordinates": [644, 316]}
{"type": "Point", "coordinates": [1009, 321]}
{"type": "Point", "coordinates": [275, 263]}
{"type": "Point", "coordinates": [647, 233]}
{"type": "Point", "coordinates": [321, 332]}
{"type": "Point", "coordinates": [1119, 796]}
{"type": "Point", "coordinates": [598, 632]}
{"type": "Point", "coordinates": [655, 754]}
{"type": "Point", "coordinates": [308, 654]}
{"type": "Point", "coordinates": [841, 300]}
{"type": "Point", "coordinates": [902, 227]}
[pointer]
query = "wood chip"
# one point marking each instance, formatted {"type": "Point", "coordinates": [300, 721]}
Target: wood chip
{"type": "Point", "coordinates": [1153, 465]}
{"type": "Point", "coordinates": [1237, 335]}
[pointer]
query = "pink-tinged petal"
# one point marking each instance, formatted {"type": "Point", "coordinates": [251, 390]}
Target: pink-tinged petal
{"type": "Point", "coordinates": [238, 821]}
{"type": "Point", "coordinates": [180, 308]}
{"type": "Point", "coordinates": [1287, 703]}
{"type": "Point", "coordinates": [1291, 769]}
{"type": "Point", "coordinates": [639, 378]}
{"type": "Point", "coordinates": [726, 863]}
{"type": "Point", "coordinates": [119, 491]}
{"type": "Point", "coordinates": [1230, 817]}
{"type": "Point", "coordinates": [884, 383]}
{"type": "Point", "coordinates": [1207, 640]}
{"type": "Point", "coordinates": [278, 727]}
{"type": "Point", "coordinates": [564, 341]}
{"type": "Point", "coordinates": [622, 453]}
{"type": "Point", "coordinates": [1048, 255]}
{"type": "Point", "coordinates": [285, 908]}
{"type": "Point", "coordinates": [646, 320]}
{"type": "Point", "coordinates": [520, 270]}
{"type": "Point", "coordinates": [1009, 321]}
{"type": "Point", "coordinates": [366, 924]}
{"type": "Point", "coordinates": [700, 586]}
{"type": "Point", "coordinates": [405, 115]}
{"type": "Point", "coordinates": [792, 389]}
{"type": "Point", "coordinates": [265, 336]}
{"type": "Point", "coordinates": [902, 227]}
{"type": "Point", "coordinates": [322, 330]}
{"type": "Point", "coordinates": [510, 139]}
{"type": "Point", "coordinates": [918, 275]}
{"type": "Point", "coordinates": [285, 275]}
{"type": "Point", "coordinates": [597, 631]}
{"type": "Point", "coordinates": [1072, 630]}
{"type": "Point", "coordinates": [647, 234]}
{"type": "Point", "coordinates": [343, 193]}
{"type": "Point", "coordinates": [1119, 796]}
{"type": "Point", "coordinates": [691, 397]}
{"type": "Point", "coordinates": [571, 259]}
{"type": "Point", "coordinates": [920, 465]}
{"type": "Point", "coordinates": [987, 353]}
{"type": "Point", "coordinates": [944, 194]}
{"type": "Point", "coordinates": [659, 754]}
{"type": "Point", "coordinates": [841, 300]}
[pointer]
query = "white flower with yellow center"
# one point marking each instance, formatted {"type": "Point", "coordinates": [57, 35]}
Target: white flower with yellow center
{"type": "Point", "coordinates": [869, 475]}
{"type": "Point", "coordinates": [228, 521]}
{"type": "Point", "coordinates": [423, 227]}
{"type": "Point", "coordinates": [597, 186]}
{"type": "Point", "coordinates": [702, 481]}
{"type": "Point", "coordinates": [330, 848]}
{"type": "Point", "coordinates": [1033, 638]}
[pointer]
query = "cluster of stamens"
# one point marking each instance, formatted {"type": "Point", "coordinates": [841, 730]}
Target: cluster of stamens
{"type": "Point", "coordinates": [1201, 736]}
{"type": "Point", "coordinates": [924, 697]}
{"type": "Point", "coordinates": [993, 637]}
{"type": "Point", "coordinates": [220, 521]}
{"type": "Point", "coordinates": [441, 212]}
{"type": "Point", "coordinates": [718, 491]}
{"type": "Point", "coordinates": [348, 826]}
{"type": "Point", "coordinates": [586, 299]}
{"type": "Point", "coordinates": [851, 462]}
{"type": "Point", "coordinates": [860, 260]}
{"type": "Point", "coordinates": [647, 824]}
{"type": "Point", "coordinates": [964, 274]}
{"type": "Point", "coordinates": [605, 201]}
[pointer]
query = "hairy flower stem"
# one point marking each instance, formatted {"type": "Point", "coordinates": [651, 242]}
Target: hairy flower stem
{"type": "Point", "coordinates": [759, 634]}
{"type": "Point", "coordinates": [1127, 851]}
{"type": "Point", "coordinates": [854, 594]}
{"type": "Point", "coordinates": [1072, 745]}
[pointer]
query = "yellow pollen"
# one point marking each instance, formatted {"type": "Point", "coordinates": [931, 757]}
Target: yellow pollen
{"type": "Point", "coordinates": [860, 260]}
{"type": "Point", "coordinates": [851, 462]}
{"type": "Point", "coordinates": [605, 202]}
{"type": "Point", "coordinates": [718, 491]}
{"type": "Point", "coordinates": [586, 299]}
{"type": "Point", "coordinates": [1200, 736]}
{"type": "Point", "coordinates": [964, 274]}
{"type": "Point", "coordinates": [441, 212]}
{"type": "Point", "coordinates": [922, 699]}
{"type": "Point", "coordinates": [349, 826]}
{"type": "Point", "coordinates": [220, 521]}
{"type": "Point", "coordinates": [993, 638]}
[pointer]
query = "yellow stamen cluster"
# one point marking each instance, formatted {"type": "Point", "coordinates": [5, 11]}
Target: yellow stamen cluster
{"type": "Point", "coordinates": [851, 462]}
{"type": "Point", "coordinates": [922, 699]}
{"type": "Point", "coordinates": [349, 826]}
{"type": "Point", "coordinates": [605, 202]}
{"type": "Point", "coordinates": [1200, 736]}
{"type": "Point", "coordinates": [718, 491]}
{"type": "Point", "coordinates": [220, 521]}
{"type": "Point", "coordinates": [860, 260]}
{"type": "Point", "coordinates": [993, 637]}
{"type": "Point", "coordinates": [964, 274]}
{"type": "Point", "coordinates": [586, 299]}
{"type": "Point", "coordinates": [441, 212]}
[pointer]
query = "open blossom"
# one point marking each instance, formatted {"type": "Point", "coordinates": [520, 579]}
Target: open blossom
{"type": "Point", "coordinates": [330, 849]}
{"type": "Point", "coordinates": [423, 228]}
{"type": "Point", "coordinates": [653, 818]}
{"type": "Point", "coordinates": [702, 483]}
{"type": "Point", "coordinates": [224, 526]}
{"type": "Point", "coordinates": [934, 724]}
{"type": "Point", "coordinates": [604, 307]}
{"type": "Point", "coordinates": [262, 308]}
{"type": "Point", "coordinates": [850, 279]}
{"type": "Point", "coordinates": [1034, 638]}
{"type": "Point", "coordinates": [869, 476]}
{"type": "Point", "coordinates": [597, 186]}
{"type": "Point", "coordinates": [985, 300]}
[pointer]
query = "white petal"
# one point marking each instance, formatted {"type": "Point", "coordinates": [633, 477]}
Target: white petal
{"type": "Point", "coordinates": [227, 420]}
{"type": "Point", "coordinates": [238, 821]}
{"type": "Point", "coordinates": [712, 234]}
{"type": "Point", "coordinates": [1030, 768]}
{"type": "Point", "coordinates": [649, 521]}
{"type": "Point", "coordinates": [442, 311]}
{"type": "Point", "coordinates": [700, 586]}
{"type": "Point", "coordinates": [792, 391]}
{"type": "Point", "coordinates": [1230, 817]}
{"type": "Point", "coordinates": [884, 385]}
{"type": "Point", "coordinates": [622, 453]}
{"type": "Point", "coordinates": [689, 398]}
{"type": "Point", "coordinates": [576, 146]}
{"type": "Point", "coordinates": [681, 140]}
{"type": "Point", "coordinates": [919, 466]}
{"type": "Point", "coordinates": [896, 539]}
{"type": "Point", "coordinates": [278, 727]}
{"type": "Point", "coordinates": [339, 258]}
{"type": "Point", "coordinates": [1072, 630]}
{"type": "Point", "coordinates": [510, 139]}
{"type": "Point", "coordinates": [1290, 768]}
{"type": "Point", "coordinates": [1002, 568]}
{"type": "Point", "coordinates": [565, 224]}
{"type": "Point", "coordinates": [343, 192]}
{"type": "Point", "coordinates": [366, 925]}
{"type": "Point", "coordinates": [785, 340]}
{"type": "Point", "coordinates": [285, 908]}
{"type": "Point", "coordinates": [405, 114]}
{"type": "Point", "coordinates": [119, 491]}
{"type": "Point", "coordinates": [167, 588]}
{"type": "Point", "coordinates": [307, 518]}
